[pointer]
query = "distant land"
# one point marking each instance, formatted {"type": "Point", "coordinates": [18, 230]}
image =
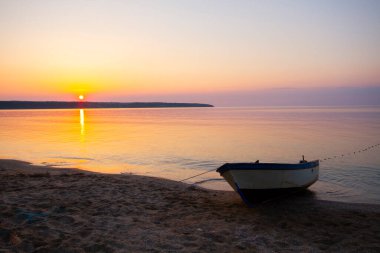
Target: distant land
{"type": "Point", "coordinates": [4, 105]}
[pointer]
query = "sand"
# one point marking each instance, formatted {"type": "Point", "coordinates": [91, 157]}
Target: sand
{"type": "Point", "coordinates": [45, 209]}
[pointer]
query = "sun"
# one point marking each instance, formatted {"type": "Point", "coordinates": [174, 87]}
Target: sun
{"type": "Point", "coordinates": [81, 97]}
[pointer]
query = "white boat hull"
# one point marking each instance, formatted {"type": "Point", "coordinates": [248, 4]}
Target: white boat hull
{"type": "Point", "coordinates": [272, 179]}
{"type": "Point", "coordinates": [257, 182]}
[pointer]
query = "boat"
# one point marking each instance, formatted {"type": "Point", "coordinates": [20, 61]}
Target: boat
{"type": "Point", "coordinates": [256, 182]}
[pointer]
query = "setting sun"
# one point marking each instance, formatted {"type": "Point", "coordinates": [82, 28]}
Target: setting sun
{"type": "Point", "coordinates": [81, 97]}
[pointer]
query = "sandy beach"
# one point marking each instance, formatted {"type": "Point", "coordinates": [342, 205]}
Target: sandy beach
{"type": "Point", "coordinates": [45, 209]}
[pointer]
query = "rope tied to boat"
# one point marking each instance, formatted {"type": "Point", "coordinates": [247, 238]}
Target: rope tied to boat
{"type": "Point", "coordinates": [197, 175]}
{"type": "Point", "coordinates": [368, 148]}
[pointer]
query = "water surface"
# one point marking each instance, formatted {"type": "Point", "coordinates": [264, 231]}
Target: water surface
{"type": "Point", "coordinates": [176, 143]}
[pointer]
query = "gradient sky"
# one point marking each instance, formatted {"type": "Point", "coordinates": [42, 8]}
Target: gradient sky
{"type": "Point", "coordinates": [187, 50]}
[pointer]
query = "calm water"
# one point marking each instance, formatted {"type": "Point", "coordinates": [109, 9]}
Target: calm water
{"type": "Point", "coordinates": [177, 143]}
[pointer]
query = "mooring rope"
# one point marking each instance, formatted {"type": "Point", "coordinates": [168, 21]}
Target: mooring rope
{"type": "Point", "coordinates": [320, 160]}
{"type": "Point", "coordinates": [368, 148]}
{"type": "Point", "coordinates": [208, 180]}
{"type": "Point", "coordinates": [197, 175]}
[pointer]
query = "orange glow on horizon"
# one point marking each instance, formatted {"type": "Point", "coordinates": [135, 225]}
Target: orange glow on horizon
{"type": "Point", "coordinates": [71, 52]}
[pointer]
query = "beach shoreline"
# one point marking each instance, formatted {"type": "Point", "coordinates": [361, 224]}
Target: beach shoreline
{"type": "Point", "coordinates": [44, 208]}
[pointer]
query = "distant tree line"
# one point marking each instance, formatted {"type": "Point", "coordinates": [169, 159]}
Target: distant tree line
{"type": "Point", "coordinates": [70, 105]}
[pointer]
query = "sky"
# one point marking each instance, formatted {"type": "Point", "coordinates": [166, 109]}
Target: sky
{"type": "Point", "coordinates": [228, 53]}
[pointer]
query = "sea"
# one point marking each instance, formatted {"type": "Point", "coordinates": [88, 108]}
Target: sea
{"type": "Point", "coordinates": [178, 143]}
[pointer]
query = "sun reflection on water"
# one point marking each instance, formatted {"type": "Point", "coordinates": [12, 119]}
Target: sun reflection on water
{"type": "Point", "coordinates": [81, 121]}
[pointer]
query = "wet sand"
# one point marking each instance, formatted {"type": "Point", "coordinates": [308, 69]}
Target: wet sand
{"type": "Point", "coordinates": [45, 209]}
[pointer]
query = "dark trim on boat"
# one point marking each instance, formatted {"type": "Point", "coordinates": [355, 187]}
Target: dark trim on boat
{"type": "Point", "coordinates": [267, 166]}
{"type": "Point", "coordinates": [243, 197]}
{"type": "Point", "coordinates": [255, 196]}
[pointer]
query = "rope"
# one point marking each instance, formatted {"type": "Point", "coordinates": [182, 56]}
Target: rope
{"type": "Point", "coordinates": [208, 180]}
{"type": "Point", "coordinates": [200, 174]}
{"type": "Point", "coordinates": [350, 153]}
